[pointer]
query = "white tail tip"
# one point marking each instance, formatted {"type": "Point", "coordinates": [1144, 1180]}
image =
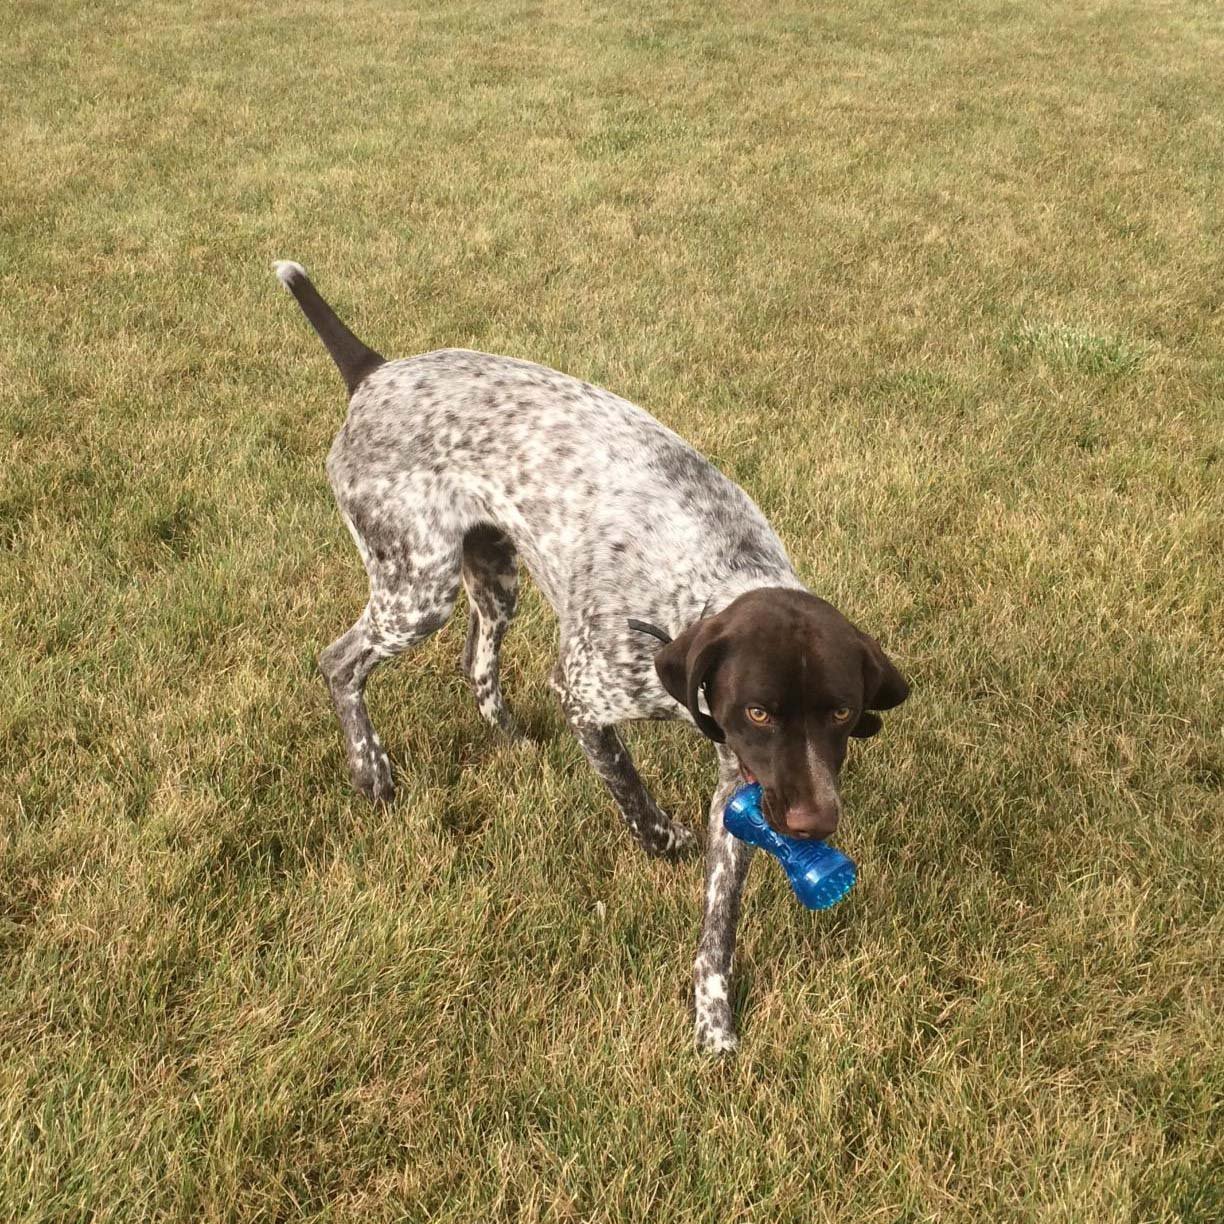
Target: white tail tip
{"type": "Point", "coordinates": [288, 271]}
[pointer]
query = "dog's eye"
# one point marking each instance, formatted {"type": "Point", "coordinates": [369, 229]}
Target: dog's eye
{"type": "Point", "coordinates": [842, 715]}
{"type": "Point", "coordinates": [757, 715]}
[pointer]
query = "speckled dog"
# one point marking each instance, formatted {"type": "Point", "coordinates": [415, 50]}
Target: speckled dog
{"type": "Point", "coordinates": [453, 464]}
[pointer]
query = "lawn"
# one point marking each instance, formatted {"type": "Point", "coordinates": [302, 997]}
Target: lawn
{"type": "Point", "coordinates": [941, 284]}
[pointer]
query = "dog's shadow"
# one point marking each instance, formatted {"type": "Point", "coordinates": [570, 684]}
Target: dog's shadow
{"type": "Point", "coordinates": [533, 723]}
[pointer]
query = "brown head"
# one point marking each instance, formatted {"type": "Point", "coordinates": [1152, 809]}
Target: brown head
{"type": "Point", "coordinates": [787, 680]}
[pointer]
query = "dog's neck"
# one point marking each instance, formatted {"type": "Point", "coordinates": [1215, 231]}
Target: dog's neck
{"type": "Point", "coordinates": [740, 582]}
{"type": "Point", "coordinates": [711, 598]}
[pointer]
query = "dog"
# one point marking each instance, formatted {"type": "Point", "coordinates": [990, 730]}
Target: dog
{"type": "Point", "coordinates": [675, 598]}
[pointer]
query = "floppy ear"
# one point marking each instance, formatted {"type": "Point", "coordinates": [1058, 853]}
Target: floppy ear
{"type": "Point", "coordinates": [883, 687]}
{"type": "Point", "coordinates": [685, 665]}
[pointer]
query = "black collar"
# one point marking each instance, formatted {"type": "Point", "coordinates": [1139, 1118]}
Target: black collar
{"type": "Point", "coordinates": [653, 630]}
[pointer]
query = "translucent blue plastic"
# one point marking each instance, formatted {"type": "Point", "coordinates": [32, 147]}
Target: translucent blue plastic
{"type": "Point", "coordinates": [820, 875]}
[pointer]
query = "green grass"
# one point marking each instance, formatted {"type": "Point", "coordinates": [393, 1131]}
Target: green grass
{"type": "Point", "coordinates": [941, 284]}
{"type": "Point", "coordinates": [1074, 348]}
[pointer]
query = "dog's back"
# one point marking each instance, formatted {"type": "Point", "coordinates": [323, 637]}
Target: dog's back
{"type": "Point", "coordinates": [585, 483]}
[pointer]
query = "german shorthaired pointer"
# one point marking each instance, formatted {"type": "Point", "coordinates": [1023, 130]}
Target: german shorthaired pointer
{"type": "Point", "coordinates": [453, 464]}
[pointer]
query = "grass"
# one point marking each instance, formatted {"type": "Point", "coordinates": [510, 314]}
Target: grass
{"type": "Point", "coordinates": [1074, 348]}
{"type": "Point", "coordinates": [940, 284]}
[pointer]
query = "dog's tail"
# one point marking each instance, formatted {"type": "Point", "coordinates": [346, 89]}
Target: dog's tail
{"type": "Point", "coordinates": [354, 360]}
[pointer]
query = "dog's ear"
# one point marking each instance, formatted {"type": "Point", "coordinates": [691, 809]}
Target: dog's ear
{"type": "Point", "coordinates": [686, 664]}
{"type": "Point", "coordinates": [883, 687]}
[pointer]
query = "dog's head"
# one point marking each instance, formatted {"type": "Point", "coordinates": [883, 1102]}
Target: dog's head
{"type": "Point", "coordinates": [787, 681]}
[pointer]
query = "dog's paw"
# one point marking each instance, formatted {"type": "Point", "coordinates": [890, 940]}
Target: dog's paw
{"type": "Point", "coordinates": [370, 770]}
{"type": "Point", "coordinates": [509, 729]}
{"type": "Point", "coordinates": [717, 1041]}
{"type": "Point", "coordinates": [668, 841]}
{"type": "Point", "coordinates": [715, 1027]}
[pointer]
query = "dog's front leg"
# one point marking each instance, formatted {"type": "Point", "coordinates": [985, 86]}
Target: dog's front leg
{"type": "Point", "coordinates": [650, 827]}
{"type": "Point", "coordinates": [727, 860]}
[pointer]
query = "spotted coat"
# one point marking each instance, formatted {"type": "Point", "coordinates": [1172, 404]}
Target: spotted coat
{"type": "Point", "coordinates": [453, 466]}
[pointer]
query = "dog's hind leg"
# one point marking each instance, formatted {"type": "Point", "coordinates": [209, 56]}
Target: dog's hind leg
{"type": "Point", "coordinates": [490, 577]}
{"type": "Point", "coordinates": [412, 593]}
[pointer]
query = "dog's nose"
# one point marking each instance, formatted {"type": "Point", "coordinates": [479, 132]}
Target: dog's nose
{"type": "Point", "coordinates": [811, 822]}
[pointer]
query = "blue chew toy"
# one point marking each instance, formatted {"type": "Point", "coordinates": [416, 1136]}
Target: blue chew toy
{"type": "Point", "coordinates": [820, 875]}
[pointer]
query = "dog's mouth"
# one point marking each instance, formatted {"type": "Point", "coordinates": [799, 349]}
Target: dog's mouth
{"type": "Point", "coordinates": [766, 805]}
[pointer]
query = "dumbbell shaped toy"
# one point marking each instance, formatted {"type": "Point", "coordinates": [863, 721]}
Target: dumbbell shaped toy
{"type": "Point", "coordinates": [820, 875]}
